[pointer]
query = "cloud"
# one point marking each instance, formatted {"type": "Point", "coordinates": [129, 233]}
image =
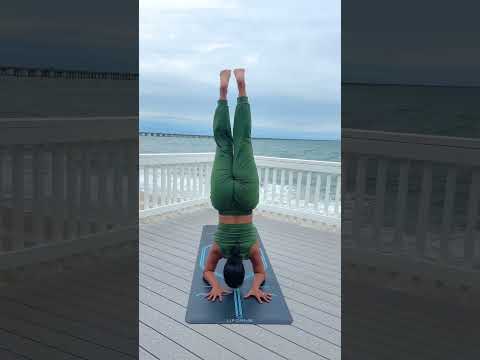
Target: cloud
{"type": "Point", "coordinates": [291, 51]}
{"type": "Point", "coordinates": [214, 46]}
{"type": "Point", "coordinates": [161, 5]}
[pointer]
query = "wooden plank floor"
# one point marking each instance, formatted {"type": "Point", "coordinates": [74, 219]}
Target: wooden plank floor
{"type": "Point", "coordinates": [306, 262]}
{"type": "Point", "coordinates": [70, 316]}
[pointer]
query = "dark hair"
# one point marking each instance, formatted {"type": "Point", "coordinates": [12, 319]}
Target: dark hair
{"type": "Point", "coordinates": [233, 271]}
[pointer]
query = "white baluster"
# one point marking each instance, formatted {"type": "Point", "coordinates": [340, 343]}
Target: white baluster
{"type": "Point", "coordinates": [290, 187]}
{"type": "Point", "coordinates": [379, 203]}
{"type": "Point", "coordinates": [299, 189]}
{"type": "Point", "coordinates": [132, 171]}
{"type": "Point", "coordinates": [401, 206]}
{"type": "Point", "coordinates": [182, 183]}
{"type": "Point", "coordinates": [307, 189]}
{"type": "Point", "coordinates": [163, 185]}
{"type": "Point", "coordinates": [71, 193]}
{"type": "Point", "coordinates": [146, 187]}
{"type": "Point", "coordinates": [282, 186]}
{"type": "Point", "coordinates": [196, 182]}
{"type": "Point", "coordinates": [326, 204]}
{"type": "Point", "coordinates": [208, 175]}
{"type": "Point", "coordinates": [358, 203]}
{"type": "Point", "coordinates": [265, 185]}
{"type": "Point", "coordinates": [193, 194]}
{"type": "Point", "coordinates": [3, 173]}
{"type": "Point", "coordinates": [58, 184]}
{"type": "Point", "coordinates": [202, 179]}
{"type": "Point", "coordinates": [187, 183]}
{"type": "Point", "coordinates": [450, 188]}
{"type": "Point", "coordinates": [274, 184]}
{"type": "Point", "coordinates": [85, 191]}
{"type": "Point", "coordinates": [344, 165]}
{"type": "Point", "coordinates": [102, 206]}
{"type": "Point", "coordinates": [338, 194]}
{"type": "Point", "coordinates": [118, 200]}
{"type": "Point", "coordinates": [155, 187]}
{"type": "Point", "coordinates": [424, 210]}
{"type": "Point", "coordinates": [472, 216]}
{"type": "Point", "coordinates": [316, 197]}
{"type": "Point", "coordinates": [38, 228]}
{"type": "Point", "coordinates": [16, 241]}
{"type": "Point", "coordinates": [174, 183]}
{"type": "Point", "coordinates": [168, 185]}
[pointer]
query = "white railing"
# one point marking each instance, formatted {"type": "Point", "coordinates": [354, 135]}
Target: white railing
{"type": "Point", "coordinates": [440, 176]}
{"type": "Point", "coordinates": [172, 181]}
{"type": "Point", "coordinates": [67, 185]}
{"type": "Point", "coordinates": [302, 188]}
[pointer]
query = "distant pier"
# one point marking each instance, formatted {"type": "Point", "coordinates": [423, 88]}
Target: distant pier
{"type": "Point", "coordinates": [161, 134]}
{"type": "Point", "coordinates": [25, 72]}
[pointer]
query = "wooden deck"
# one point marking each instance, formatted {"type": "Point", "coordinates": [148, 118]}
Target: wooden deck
{"type": "Point", "coordinates": [305, 260]}
{"type": "Point", "coordinates": [70, 316]}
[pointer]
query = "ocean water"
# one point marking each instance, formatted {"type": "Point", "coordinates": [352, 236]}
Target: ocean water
{"type": "Point", "coordinates": [326, 150]}
{"type": "Point", "coordinates": [433, 110]}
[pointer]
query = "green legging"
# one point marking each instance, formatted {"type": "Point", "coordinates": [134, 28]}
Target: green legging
{"type": "Point", "coordinates": [234, 181]}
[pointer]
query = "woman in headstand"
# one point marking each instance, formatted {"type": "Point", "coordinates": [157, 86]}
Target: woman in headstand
{"type": "Point", "coordinates": [234, 193]}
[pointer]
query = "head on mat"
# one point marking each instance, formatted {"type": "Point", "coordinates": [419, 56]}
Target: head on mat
{"type": "Point", "coordinates": [234, 193]}
{"type": "Point", "coordinates": [233, 270]}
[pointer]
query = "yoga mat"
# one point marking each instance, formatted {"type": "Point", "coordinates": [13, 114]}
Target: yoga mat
{"type": "Point", "coordinates": [234, 309]}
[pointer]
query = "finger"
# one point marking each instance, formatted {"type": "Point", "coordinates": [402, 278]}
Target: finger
{"type": "Point", "coordinates": [248, 295]}
{"type": "Point", "coordinates": [259, 300]}
{"type": "Point", "coordinates": [220, 298]}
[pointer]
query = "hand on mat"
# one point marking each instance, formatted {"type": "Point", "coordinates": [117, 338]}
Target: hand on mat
{"type": "Point", "coordinates": [259, 295]}
{"type": "Point", "coordinates": [216, 293]}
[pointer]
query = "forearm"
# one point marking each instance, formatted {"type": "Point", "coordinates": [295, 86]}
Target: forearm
{"type": "Point", "coordinates": [210, 277]}
{"type": "Point", "coordinates": [258, 279]}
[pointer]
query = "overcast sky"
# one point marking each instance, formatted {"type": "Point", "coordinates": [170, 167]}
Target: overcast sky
{"type": "Point", "coordinates": [291, 53]}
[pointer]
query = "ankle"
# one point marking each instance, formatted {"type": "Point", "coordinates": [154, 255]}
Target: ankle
{"type": "Point", "coordinates": [241, 89]}
{"type": "Point", "coordinates": [223, 92]}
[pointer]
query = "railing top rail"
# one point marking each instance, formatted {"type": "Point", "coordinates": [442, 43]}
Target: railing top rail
{"type": "Point", "coordinates": [297, 161]}
{"type": "Point", "coordinates": [174, 158]}
{"type": "Point", "coordinates": [299, 164]}
{"type": "Point", "coordinates": [411, 138]}
{"type": "Point", "coordinates": [434, 148]}
{"type": "Point", "coordinates": [286, 163]}
{"type": "Point", "coordinates": [176, 154]}
{"type": "Point", "coordinates": [45, 130]}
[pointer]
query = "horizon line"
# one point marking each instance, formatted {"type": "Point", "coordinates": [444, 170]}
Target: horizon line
{"type": "Point", "coordinates": [166, 134]}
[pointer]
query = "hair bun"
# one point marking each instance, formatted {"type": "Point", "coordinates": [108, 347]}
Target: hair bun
{"type": "Point", "coordinates": [235, 253]}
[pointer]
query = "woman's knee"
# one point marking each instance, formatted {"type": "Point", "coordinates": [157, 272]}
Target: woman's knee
{"type": "Point", "coordinates": [247, 196]}
{"type": "Point", "coordinates": [221, 195]}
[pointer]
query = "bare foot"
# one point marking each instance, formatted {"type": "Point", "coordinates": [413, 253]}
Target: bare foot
{"type": "Point", "coordinates": [240, 76]}
{"type": "Point", "coordinates": [224, 79]}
